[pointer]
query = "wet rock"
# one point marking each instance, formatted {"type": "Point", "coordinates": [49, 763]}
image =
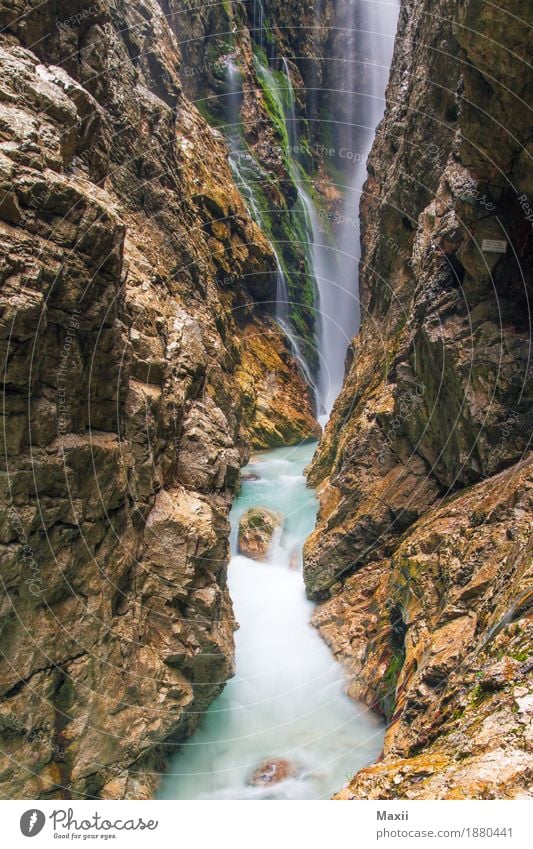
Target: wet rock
{"type": "Point", "coordinates": [129, 283]}
{"type": "Point", "coordinates": [396, 443]}
{"type": "Point", "coordinates": [277, 401]}
{"type": "Point", "coordinates": [272, 772]}
{"type": "Point", "coordinates": [427, 449]}
{"type": "Point", "coordinates": [256, 530]}
{"type": "Point", "coordinates": [442, 681]}
{"type": "Point", "coordinates": [250, 477]}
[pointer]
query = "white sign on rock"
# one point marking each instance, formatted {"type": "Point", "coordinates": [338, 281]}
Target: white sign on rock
{"type": "Point", "coordinates": [494, 246]}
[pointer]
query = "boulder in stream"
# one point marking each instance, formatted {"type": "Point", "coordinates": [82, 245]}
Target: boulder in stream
{"type": "Point", "coordinates": [256, 530]}
{"type": "Point", "coordinates": [272, 772]}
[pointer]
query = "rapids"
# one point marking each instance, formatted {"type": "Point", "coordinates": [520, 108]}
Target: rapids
{"type": "Point", "coordinates": [287, 700]}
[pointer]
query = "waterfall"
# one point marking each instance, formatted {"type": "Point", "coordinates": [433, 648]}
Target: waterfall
{"type": "Point", "coordinates": [321, 255]}
{"type": "Point", "coordinates": [345, 97]}
{"type": "Point", "coordinates": [248, 176]}
{"type": "Point", "coordinates": [258, 23]}
{"type": "Point", "coordinates": [320, 252]}
{"type": "Point", "coordinates": [234, 98]}
{"type": "Point", "coordinates": [358, 78]}
{"type": "Point", "coordinates": [356, 75]}
{"type": "Point", "coordinates": [283, 319]}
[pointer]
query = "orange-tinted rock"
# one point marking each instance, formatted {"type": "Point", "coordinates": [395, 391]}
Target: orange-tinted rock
{"type": "Point", "coordinates": [423, 546]}
{"type": "Point", "coordinates": [272, 772]}
{"type": "Point", "coordinates": [257, 527]}
{"type": "Point", "coordinates": [133, 270]}
{"type": "Point", "coordinates": [277, 408]}
{"type": "Point", "coordinates": [418, 652]}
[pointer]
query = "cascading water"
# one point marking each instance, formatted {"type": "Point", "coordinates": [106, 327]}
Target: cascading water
{"type": "Point", "coordinates": [359, 75]}
{"type": "Point", "coordinates": [285, 715]}
{"type": "Point", "coordinates": [248, 176]}
{"type": "Point", "coordinates": [286, 704]}
{"type": "Point", "coordinates": [324, 265]}
{"type": "Point", "coordinates": [245, 173]}
{"type": "Point", "coordinates": [320, 251]}
{"type": "Point", "coordinates": [364, 40]}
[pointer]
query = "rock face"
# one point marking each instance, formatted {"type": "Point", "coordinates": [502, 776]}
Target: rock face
{"type": "Point", "coordinates": [268, 61]}
{"type": "Point", "coordinates": [127, 256]}
{"type": "Point", "coordinates": [423, 471]}
{"type": "Point", "coordinates": [257, 528]}
{"type": "Point", "coordinates": [272, 390]}
{"type": "Point", "coordinates": [438, 638]}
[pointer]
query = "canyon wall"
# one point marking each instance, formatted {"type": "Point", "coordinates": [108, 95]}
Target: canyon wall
{"type": "Point", "coordinates": [235, 64]}
{"type": "Point", "coordinates": [134, 287]}
{"type": "Point", "coordinates": [421, 556]}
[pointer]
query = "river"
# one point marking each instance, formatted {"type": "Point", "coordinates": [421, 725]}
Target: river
{"type": "Point", "coordinates": [287, 700]}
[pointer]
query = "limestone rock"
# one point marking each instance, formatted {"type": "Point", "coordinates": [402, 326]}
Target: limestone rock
{"type": "Point", "coordinates": [128, 256]}
{"type": "Point", "coordinates": [436, 400]}
{"type": "Point", "coordinates": [277, 403]}
{"type": "Point", "coordinates": [257, 528]}
{"type": "Point", "coordinates": [421, 553]}
{"type": "Point", "coordinates": [447, 673]}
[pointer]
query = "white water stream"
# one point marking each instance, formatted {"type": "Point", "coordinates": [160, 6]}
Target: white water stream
{"type": "Point", "coordinates": [287, 698]}
{"type": "Point", "coordinates": [359, 75]}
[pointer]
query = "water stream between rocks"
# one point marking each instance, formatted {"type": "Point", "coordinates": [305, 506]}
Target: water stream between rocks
{"type": "Point", "coordinates": [283, 728]}
{"type": "Point", "coordinates": [286, 709]}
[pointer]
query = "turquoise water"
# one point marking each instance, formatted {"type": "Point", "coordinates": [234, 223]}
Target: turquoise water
{"type": "Point", "coordinates": [287, 698]}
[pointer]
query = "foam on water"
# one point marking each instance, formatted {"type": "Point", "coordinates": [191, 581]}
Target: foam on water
{"type": "Point", "coordinates": [287, 699]}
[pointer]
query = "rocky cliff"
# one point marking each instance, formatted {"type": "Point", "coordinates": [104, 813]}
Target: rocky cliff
{"type": "Point", "coordinates": [421, 554]}
{"type": "Point", "coordinates": [235, 69]}
{"type": "Point", "coordinates": [141, 361]}
{"type": "Point", "coordinates": [133, 279]}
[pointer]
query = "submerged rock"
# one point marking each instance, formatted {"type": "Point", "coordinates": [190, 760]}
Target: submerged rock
{"type": "Point", "coordinates": [295, 560]}
{"type": "Point", "coordinates": [256, 531]}
{"type": "Point", "coordinates": [272, 772]}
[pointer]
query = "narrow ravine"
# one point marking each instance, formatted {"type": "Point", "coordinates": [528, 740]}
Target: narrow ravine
{"type": "Point", "coordinates": [226, 224]}
{"type": "Point", "coordinates": [284, 727]}
{"type": "Point", "coordinates": [286, 709]}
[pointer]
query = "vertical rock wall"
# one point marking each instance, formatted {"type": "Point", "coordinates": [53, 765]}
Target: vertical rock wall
{"type": "Point", "coordinates": [422, 540]}
{"type": "Point", "coordinates": [130, 272]}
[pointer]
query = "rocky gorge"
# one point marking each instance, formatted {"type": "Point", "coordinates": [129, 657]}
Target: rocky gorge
{"type": "Point", "coordinates": [167, 173]}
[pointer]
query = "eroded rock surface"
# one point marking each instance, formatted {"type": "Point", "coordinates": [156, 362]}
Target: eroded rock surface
{"type": "Point", "coordinates": [257, 528]}
{"type": "Point", "coordinates": [273, 390]}
{"type": "Point", "coordinates": [127, 254]}
{"type": "Point", "coordinates": [438, 638]}
{"type": "Point", "coordinates": [423, 472]}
